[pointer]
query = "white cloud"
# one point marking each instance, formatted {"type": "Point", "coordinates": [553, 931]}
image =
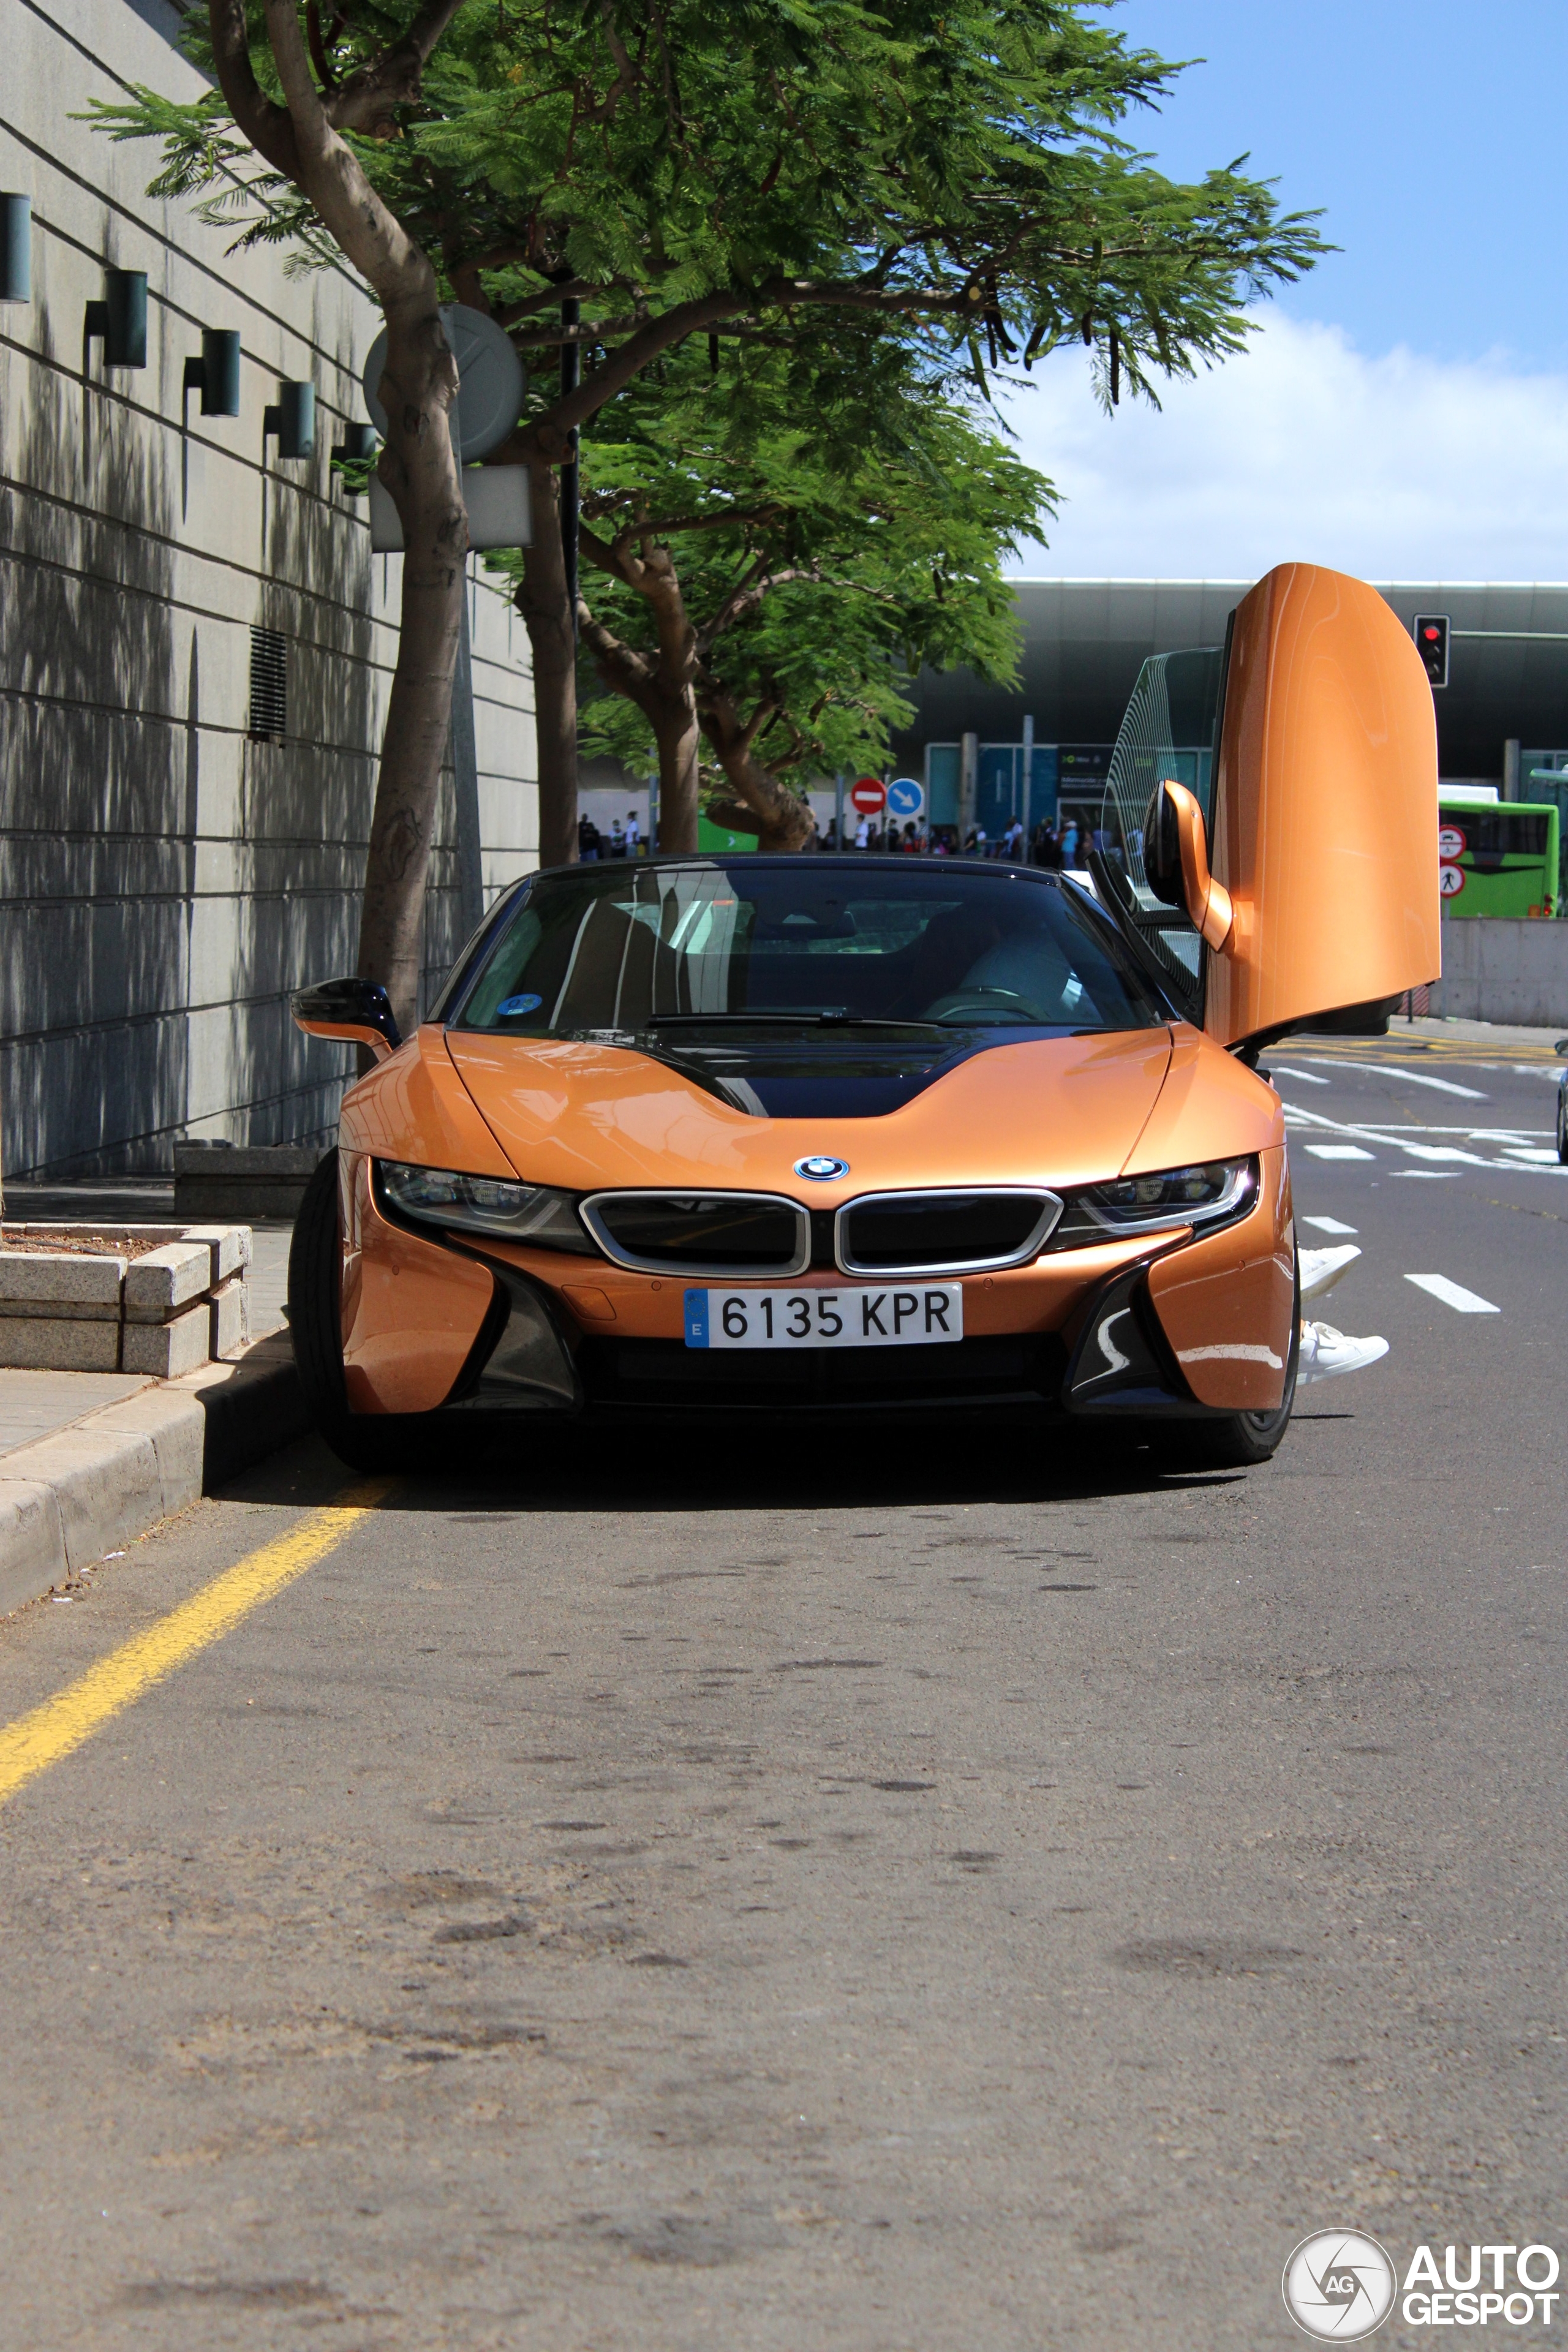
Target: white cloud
{"type": "Point", "coordinates": [1399, 467]}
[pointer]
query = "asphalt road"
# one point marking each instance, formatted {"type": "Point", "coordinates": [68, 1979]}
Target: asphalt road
{"type": "Point", "coordinates": [967, 1898]}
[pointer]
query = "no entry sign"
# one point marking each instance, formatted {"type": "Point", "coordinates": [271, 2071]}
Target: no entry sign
{"type": "Point", "coordinates": [868, 795]}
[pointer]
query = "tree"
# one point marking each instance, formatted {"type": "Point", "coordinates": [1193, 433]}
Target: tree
{"type": "Point", "coordinates": [780, 540]}
{"type": "Point", "coordinates": [307, 125]}
{"type": "Point", "coordinates": [612, 181]}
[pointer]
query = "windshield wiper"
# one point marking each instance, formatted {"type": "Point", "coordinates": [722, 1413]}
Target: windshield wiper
{"type": "Point", "coordinates": [829, 1020]}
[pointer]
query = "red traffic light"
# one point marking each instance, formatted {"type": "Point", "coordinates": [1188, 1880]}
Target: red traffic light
{"type": "Point", "coordinates": [1431, 632]}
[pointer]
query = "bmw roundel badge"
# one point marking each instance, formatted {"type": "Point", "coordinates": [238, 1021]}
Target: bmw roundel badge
{"type": "Point", "coordinates": [822, 1168]}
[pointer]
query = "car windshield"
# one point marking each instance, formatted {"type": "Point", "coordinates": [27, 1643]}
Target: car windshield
{"type": "Point", "coordinates": [677, 950]}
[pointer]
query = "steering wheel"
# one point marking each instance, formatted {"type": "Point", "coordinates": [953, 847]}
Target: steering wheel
{"type": "Point", "coordinates": [985, 1001]}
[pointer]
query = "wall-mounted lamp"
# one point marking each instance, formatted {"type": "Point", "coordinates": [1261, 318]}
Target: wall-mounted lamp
{"type": "Point", "coordinates": [293, 420]}
{"type": "Point", "coordinates": [215, 375]}
{"type": "Point", "coordinates": [121, 319]}
{"type": "Point", "coordinates": [16, 248]}
{"type": "Point", "coordinates": [358, 442]}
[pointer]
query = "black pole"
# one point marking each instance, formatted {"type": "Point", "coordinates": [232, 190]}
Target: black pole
{"type": "Point", "coordinates": [571, 377]}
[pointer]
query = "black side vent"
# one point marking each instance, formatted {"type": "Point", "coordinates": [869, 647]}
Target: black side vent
{"type": "Point", "coordinates": [269, 686]}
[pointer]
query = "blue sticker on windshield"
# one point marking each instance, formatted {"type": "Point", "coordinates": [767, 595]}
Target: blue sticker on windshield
{"type": "Point", "coordinates": [509, 1004]}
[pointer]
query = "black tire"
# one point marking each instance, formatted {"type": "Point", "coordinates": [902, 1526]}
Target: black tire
{"type": "Point", "coordinates": [1235, 1441]}
{"type": "Point", "coordinates": [367, 1441]}
{"type": "Point", "coordinates": [315, 1262]}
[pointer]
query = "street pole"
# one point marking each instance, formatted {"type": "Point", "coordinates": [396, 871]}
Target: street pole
{"type": "Point", "coordinates": [838, 807]}
{"type": "Point", "coordinates": [466, 781]}
{"type": "Point", "coordinates": [653, 813]}
{"type": "Point", "coordinates": [1028, 786]}
{"type": "Point", "coordinates": [571, 377]}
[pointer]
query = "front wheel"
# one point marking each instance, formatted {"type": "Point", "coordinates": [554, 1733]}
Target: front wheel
{"type": "Point", "coordinates": [1237, 1441]}
{"type": "Point", "coordinates": [315, 1280]}
{"type": "Point", "coordinates": [364, 1441]}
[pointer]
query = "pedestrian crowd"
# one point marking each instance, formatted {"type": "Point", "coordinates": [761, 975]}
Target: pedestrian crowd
{"type": "Point", "coordinates": [1059, 845]}
{"type": "Point", "coordinates": [619, 842]}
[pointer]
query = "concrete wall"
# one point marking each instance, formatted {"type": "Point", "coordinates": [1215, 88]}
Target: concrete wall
{"type": "Point", "coordinates": [1508, 972]}
{"type": "Point", "coordinates": [165, 878]}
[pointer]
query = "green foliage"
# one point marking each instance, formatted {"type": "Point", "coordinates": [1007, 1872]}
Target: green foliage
{"type": "Point", "coordinates": [954, 171]}
{"type": "Point", "coordinates": [836, 519]}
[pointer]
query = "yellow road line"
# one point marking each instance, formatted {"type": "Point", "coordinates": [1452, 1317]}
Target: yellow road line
{"type": "Point", "coordinates": [58, 1725]}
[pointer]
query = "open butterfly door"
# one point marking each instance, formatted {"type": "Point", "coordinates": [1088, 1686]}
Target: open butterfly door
{"type": "Point", "coordinates": [1325, 824]}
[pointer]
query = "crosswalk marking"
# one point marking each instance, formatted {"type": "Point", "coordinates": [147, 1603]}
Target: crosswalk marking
{"type": "Point", "coordinates": [1327, 1225]}
{"type": "Point", "coordinates": [1452, 1293]}
{"type": "Point", "coordinates": [1415, 1078]}
{"type": "Point", "coordinates": [1338, 1151]}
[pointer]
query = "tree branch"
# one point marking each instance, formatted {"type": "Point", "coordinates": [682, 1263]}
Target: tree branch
{"type": "Point", "coordinates": [548, 436]}
{"type": "Point", "coordinates": [328, 173]}
{"type": "Point", "coordinates": [622, 669]}
{"type": "Point", "coordinates": [744, 600]}
{"type": "Point", "coordinates": [267, 127]}
{"type": "Point", "coordinates": [366, 99]}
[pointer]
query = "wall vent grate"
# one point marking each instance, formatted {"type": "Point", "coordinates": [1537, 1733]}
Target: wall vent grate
{"type": "Point", "coordinates": [269, 686]}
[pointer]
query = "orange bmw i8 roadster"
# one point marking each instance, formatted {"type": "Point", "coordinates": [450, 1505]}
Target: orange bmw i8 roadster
{"type": "Point", "coordinates": [738, 1135]}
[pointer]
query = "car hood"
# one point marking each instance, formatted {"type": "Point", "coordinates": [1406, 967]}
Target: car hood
{"type": "Point", "coordinates": [1062, 1111]}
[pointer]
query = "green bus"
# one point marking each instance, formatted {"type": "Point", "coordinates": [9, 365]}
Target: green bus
{"type": "Point", "coordinates": [1497, 858]}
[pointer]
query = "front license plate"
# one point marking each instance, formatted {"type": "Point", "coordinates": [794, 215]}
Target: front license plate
{"type": "Point", "coordinates": [903, 1314]}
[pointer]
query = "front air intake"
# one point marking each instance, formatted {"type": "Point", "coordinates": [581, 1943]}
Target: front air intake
{"type": "Point", "coordinates": [895, 1234]}
{"type": "Point", "coordinates": [710, 1236]}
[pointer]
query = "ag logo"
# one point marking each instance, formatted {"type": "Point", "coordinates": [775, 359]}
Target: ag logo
{"type": "Point", "coordinates": [1339, 2285]}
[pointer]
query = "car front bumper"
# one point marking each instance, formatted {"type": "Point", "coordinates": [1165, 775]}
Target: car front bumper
{"type": "Point", "coordinates": [466, 1324]}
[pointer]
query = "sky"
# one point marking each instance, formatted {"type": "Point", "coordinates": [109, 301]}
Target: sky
{"type": "Point", "coordinates": [1402, 410]}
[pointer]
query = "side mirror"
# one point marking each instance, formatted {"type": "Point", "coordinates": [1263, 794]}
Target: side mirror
{"type": "Point", "coordinates": [358, 1011]}
{"type": "Point", "coordinates": [1175, 859]}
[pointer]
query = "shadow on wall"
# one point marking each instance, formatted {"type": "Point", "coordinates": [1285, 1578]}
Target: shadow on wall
{"type": "Point", "coordinates": [96, 812]}
{"type": "Point", "coordinates": [303, 825]}
{"type": "Point", "coordinates": [136, 1010]}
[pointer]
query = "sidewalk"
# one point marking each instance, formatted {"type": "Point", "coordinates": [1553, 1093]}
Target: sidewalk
{"type": "Point", "coordinates": [89, 1461]}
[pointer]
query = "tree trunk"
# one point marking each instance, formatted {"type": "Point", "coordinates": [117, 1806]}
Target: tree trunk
{"type": "Point", "coordinates": [675, 730]}
{"type": "Point", "coordinates": [658, 683]}
{"type": "Point", "coordinates": [419, 467]}
{"type": "Point", "coordinates": [542, 601]}
{"type": "Point", "coordinates": [785, 822]}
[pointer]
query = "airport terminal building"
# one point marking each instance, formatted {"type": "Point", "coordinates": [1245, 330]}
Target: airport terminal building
{"type": "Point", "coordinates": [1041, 750]}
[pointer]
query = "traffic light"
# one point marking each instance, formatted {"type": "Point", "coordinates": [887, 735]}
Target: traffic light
{"type": "Point", "coordinates": [1432, 644]}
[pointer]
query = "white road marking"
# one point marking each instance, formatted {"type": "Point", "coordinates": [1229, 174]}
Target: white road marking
{"type": "Point", "coordinates": [1308, 1075]}
{"type": "Point", "coordinates": [1328, 1225]}
{"type": "Point", "coordinates": [1412, 1078]}
{"type": "Point", "coordinates": [1402, 1138]}
{"type": "Point", "coordinates": [1453, 1294]}
{"type": "Point", "coordinates": [1428, 1175]}
{"type": "Point", "coordinates": [1530, 1152]}
{"type": "Point", "coordinates": [1338, 1151]}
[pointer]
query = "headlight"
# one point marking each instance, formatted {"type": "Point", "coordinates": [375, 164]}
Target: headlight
{"type": "Point", "coordinates": [482, 1204]}
{"type": "Point", "coordinates": [1206, 1196]}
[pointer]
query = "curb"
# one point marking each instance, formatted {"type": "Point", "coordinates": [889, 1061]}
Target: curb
{"type": "Point", "coordinates": [68, 1498]}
